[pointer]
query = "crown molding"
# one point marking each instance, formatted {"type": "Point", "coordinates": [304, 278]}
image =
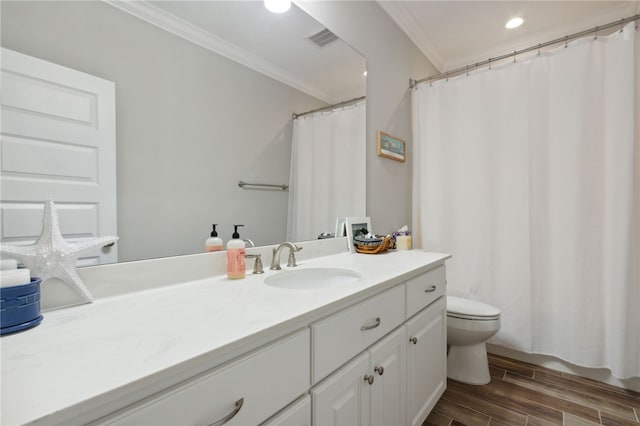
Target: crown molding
{"type": "Point", "coordinates": [151, 14]}
{"type": "Point", "coordinates": [403, 17]}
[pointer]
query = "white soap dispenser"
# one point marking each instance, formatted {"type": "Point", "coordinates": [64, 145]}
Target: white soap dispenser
{"type": "Point", "coordinates": [235, 256]}
{"type": "Point", "coordinates": [213, 243]}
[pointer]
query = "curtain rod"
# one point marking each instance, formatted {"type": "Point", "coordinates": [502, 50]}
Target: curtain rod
{"type": "Point", "coordinates": [338, 105]}
{"type": "Point", "coordinates": [565, 39]}
{"type": "Point", "coordinates": [284, 187]}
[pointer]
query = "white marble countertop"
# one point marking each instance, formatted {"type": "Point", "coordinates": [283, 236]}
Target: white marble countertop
{"type": "Point", "coordinates": [93, 358]}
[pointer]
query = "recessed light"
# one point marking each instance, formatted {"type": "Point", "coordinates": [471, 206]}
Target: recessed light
{"type": "Point", "coordinates": [277, 6]}
{"type": "Point", "coordinates": [514, 22]}
{"type": "Point", "coordinates": [364, 73]}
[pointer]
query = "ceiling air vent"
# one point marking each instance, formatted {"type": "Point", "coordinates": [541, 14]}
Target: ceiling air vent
{"type": "Point", "coordinates": [323, 38]}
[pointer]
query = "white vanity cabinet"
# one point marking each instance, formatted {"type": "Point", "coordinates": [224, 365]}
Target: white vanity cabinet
{"type": "Point", "coordinates": [399, 378]}
{"type": "Point", "coordinates": [245, 392]}
{"type": "Point", "coordinates": [214, 352]}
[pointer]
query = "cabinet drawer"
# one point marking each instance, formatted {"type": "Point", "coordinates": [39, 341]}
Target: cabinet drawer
{"type": "Point", "coordinates": [424, 289]}
{"type": "Point", "coordinates": [247, 391]}
{"type": "Point", "coordinates": [297, 414]}
{"type": "Point", "coordinates": [341, 336]}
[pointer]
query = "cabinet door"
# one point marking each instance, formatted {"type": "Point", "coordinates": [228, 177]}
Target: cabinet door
{"type": "Point", "coordinates": [344, 398]}
{"type": "Point", "coordinates": [426, 360]}
{"type": "Point", "coordinates": [388, 366]}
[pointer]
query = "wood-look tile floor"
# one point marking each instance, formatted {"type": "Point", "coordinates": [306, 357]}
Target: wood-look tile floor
{"type": "Point", "coordinates": [526, 394]}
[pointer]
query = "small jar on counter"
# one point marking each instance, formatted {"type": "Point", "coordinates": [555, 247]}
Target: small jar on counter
{"type": "Point", "coordinates": [402, 240]}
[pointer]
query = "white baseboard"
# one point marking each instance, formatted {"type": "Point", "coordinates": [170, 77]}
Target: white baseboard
{"type": "Point", "coordinates": [600, 374]}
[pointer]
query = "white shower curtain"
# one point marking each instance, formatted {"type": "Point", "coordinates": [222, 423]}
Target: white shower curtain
{"type": "Point", "coordinates": [328, 171]}
{"type": "Point", "coordinates": [529, 173]}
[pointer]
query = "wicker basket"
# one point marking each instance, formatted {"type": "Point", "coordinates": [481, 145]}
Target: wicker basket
{"type": "Point", "coordinates": [385, 245]}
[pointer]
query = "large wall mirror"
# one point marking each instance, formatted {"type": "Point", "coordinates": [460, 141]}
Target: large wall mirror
{"type": "Point", "coordinates": [205, 93]}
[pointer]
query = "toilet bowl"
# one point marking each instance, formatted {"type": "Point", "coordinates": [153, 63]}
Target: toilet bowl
{"type": "Point", "coordinates": [469, 324]}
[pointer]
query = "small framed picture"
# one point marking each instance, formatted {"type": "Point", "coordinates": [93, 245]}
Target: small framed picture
{"type": "Point", "coordinates": [357, 226]}
{"type": "Point", "coordinates": [390, 147]}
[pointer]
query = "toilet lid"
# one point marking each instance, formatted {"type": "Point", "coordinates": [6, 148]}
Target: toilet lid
{"type": "Point", "coordinates": [467, 308]}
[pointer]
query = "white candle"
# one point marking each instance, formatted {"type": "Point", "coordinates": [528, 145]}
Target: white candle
{"type": "Point", "coordinates": [403, 242]}
{"type": "Point", "coordinates": [13, 277]}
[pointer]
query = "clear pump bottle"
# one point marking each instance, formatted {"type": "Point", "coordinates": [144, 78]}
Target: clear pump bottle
{"type": "Point", "coordinates": [213, 243]}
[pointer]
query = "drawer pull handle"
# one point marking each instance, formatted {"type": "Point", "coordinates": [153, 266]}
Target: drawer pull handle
{"type": "Point", "coordinates": [369, 379]}
{"type": "Point", "coordinates": [431, 289]}
{"type": "Point", "coordinates": [229, 416]}
{"type": "Point", "coordinates": [414, 340]}
{"type": "Point", "coordinates": [369, 327]}
{"type": "Point", "coordinates": [379, 370]}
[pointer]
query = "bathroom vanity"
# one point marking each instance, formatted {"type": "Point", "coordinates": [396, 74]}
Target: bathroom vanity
{"type": "Point", "coordinates": [370, 350]}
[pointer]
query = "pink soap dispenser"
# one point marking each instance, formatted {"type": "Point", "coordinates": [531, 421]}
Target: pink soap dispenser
{"type": "Point", "coordinates": [235, 256]}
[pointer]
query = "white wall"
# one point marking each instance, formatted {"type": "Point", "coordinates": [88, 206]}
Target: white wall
{"type": "Point", "coordinates": [190, 125]}
{"type": "Point", "coordinates": [391, 60]}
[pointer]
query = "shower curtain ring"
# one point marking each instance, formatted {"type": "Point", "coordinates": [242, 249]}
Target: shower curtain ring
{"type": "Point", "coordinates": [515, 54]}
{"type": "Point", "coordinates": [538, 49]}
{"type": "Point", "coordinates": [490, 63]}
{"type": "Point", "coordinates": [467, 68]}
{"type": "Point", "coordinates": [566, 41]}
{"type": "Point", "coordinates": [595, 36]}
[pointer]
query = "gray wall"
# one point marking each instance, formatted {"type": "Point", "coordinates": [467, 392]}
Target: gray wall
{"type": "Point", "coordinates": [190, 125]}
{"type": "Point", "coordinates": [391, 60]}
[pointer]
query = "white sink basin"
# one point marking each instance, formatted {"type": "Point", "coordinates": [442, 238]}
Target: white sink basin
{"type": "Point", "coordinates": [313, 278]}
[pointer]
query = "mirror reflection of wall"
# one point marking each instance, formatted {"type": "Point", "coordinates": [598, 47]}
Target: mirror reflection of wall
{"type": "Point", "coordinates": [190, 123]}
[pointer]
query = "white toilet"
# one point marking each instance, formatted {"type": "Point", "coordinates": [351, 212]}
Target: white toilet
{"type": "Point", "coordinates": [469, 324]}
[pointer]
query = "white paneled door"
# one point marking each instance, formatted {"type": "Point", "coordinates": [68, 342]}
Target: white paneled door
{"type": "Point", "coordinates": [58, 141]}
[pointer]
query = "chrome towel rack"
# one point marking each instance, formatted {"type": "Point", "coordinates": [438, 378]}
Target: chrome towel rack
{"type": "Point", "coordinates": [242, 184]}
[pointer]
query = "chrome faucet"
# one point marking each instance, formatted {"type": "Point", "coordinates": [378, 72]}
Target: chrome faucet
{"type": "Point", "coordinates": [275, 261]}
{"type": "Point", "coordinates": [249, 243]}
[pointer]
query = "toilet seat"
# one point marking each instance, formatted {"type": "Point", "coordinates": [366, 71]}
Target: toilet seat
{"type": "Point", "coordinates": [458, 307]}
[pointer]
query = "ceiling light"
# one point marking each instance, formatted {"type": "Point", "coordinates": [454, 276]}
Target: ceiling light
{"type": "Point", "coordinates": [364, 73]}
{"type": "Point", "coordinates": [277, 6]}
{"type": "Point", "coordinates": [514, 22]}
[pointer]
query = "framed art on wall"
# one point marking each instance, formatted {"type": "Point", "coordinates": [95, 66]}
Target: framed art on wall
{"type": "Point", "coordinates": [390, 147]}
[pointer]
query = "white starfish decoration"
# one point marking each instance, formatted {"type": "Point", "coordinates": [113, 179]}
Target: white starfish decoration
{"type": "Point", "coordinates": [51, 256]}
